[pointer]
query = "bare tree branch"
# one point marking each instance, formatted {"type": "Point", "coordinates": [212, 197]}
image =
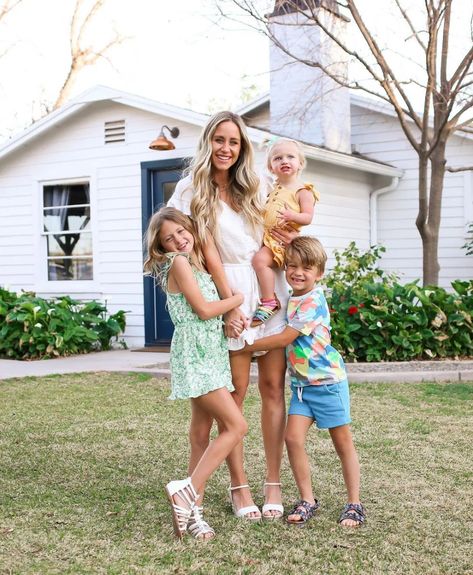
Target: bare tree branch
{"type": "Point", "coordinates": [459, 169]}
{"type": "Point", "coordinates": [415, 33]}
{"type": "Point", "coordinates": [7, 6]}
{"type": "Point", "coordinates": [446, 100]}
{"type": "Point", "coordinates": [83, 56]}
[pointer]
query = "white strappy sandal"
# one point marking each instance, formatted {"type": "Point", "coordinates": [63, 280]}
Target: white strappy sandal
{"type": "Point", "coordinates": [184, 489]}
{"type": "Point", "coordinates": [199, 528]}
{"type": "Point", "coordinates": [243, 512]}
{"type": "Point", "coordinates": [271, 506]}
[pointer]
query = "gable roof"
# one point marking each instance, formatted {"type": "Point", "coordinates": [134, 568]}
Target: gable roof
{"type": "Point", "coordinates": [257, 136]}
{"type": "Point", "coordinates": [96, 94]}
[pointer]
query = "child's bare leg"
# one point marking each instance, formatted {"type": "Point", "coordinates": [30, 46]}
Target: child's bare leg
{"type": "Point", "coordinates": [296, 433]}
{"type": "Point", "coordinates": [199, 437]}
{"type": "Point", "coordinates": [263, 264]}
{"type": "Point", "coordinates": [345, 448]}
{"type": "Point", "coordinates": [219, 404]}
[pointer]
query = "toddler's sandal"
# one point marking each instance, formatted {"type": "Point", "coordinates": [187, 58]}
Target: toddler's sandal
{"type": "Point", "coordinates": [265, 311]}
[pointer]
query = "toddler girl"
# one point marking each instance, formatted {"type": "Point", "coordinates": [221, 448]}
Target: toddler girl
{"type": "Point", "coordinates": [290, 205]}
{"type": "Point", "coordinates": [200, 368]}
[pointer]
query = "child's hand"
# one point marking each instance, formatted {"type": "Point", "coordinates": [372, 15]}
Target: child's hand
{"type": "Point", "coordinates": [235, 323]}
{"type": "Point", "coordinates": [285, 215]}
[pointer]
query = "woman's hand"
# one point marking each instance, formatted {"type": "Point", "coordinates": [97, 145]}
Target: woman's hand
{"type": "Point", "coordinates": [284, 235]}
{"type": "Point", "coordinates": [235, 322]}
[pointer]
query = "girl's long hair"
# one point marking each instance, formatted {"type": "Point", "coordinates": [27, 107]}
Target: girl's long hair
{"type": "Point", "coordinates": [243, 185]}
{"type": "Point", "coordinates": [156, 254]}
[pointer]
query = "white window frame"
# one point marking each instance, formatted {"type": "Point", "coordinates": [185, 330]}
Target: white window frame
{"type": "Point", "coordinates": [70, 287]}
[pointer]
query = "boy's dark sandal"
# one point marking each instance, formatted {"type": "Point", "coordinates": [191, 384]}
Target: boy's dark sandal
{"type": "Point", "coordinates": [304, 510]}
{"type": "Point", "coordinates": [355, 512]}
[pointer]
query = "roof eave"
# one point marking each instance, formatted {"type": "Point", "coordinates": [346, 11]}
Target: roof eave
{"type": "Point", "coordinates": [337, 158]}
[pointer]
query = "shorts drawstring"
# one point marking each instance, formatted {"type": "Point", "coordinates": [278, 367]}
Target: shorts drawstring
{"type": "Point", "coordinates": [299, 393]}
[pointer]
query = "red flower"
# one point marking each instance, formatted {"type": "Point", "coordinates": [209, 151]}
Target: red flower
{"type": "Point", "coordinates": [352, 309]}
{"type": "Point", "coordinates": [361, 305]}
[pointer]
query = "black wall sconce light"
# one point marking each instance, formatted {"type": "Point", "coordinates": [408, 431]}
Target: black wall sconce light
{"type": "Point", "coordinates": [161, 142]}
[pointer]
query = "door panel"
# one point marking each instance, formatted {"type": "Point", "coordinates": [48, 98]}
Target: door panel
{"type": "Point", "coordinates": [159, 180]}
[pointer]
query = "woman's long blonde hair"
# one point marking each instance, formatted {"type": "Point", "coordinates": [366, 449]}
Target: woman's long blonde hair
{"type": "Point", "coordinates": [156, 254]}
{"type": "Point", "coordinates": [243, 185]}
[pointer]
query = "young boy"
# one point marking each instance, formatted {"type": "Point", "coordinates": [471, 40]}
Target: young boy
{"type": "Point", "coordinates": [318, 381]}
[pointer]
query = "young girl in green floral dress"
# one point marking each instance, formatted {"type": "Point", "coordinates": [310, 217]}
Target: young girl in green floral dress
{"type": "Point", "coordinates": [200, 368]}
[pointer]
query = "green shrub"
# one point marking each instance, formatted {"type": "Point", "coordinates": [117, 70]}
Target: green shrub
{"type": "Point", "coordinates": [468, 246]}
{"type": "Point", "coordinates": [32, 327]}
{"type": "Point", "coordinates": [376, 318]}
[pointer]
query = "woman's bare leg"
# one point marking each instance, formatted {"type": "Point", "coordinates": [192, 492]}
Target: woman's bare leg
{"type": "Point", "coordinates": [272, 371]}
{"type": "Point", "coordinates": [240, 366]}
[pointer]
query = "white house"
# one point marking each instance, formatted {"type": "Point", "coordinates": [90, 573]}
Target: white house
{"type": "Point", "coordinates": [77, 189]}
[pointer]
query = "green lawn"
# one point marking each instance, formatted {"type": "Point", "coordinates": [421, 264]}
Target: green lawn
{"type": "Point", "coordinates": [84, 458]}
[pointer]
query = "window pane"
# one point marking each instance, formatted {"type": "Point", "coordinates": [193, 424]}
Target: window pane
{"type": "Point", "coordinates": [66, 195]}
{"type": "Point", "coordinates": [70, 245]}
{"type": "Point", "coordinates": [66, 219]}
{"type": "Point", "coordinates": [70, 269]}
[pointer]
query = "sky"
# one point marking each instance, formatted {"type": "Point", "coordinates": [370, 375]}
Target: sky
{"type": "Point", "coordinates": [175, 52]}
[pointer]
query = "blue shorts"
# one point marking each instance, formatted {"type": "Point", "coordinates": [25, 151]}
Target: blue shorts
{"type": "Point", "coordinates": [327, 404]}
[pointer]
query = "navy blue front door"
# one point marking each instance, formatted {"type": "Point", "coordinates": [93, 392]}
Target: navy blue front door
{"type": "Point", "coordinates": [158, 180]}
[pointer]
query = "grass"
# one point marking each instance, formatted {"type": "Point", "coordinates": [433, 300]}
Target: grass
{"type": "Point", "coordinates": [84, 457]}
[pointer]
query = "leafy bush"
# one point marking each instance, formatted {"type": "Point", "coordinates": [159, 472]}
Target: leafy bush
{"type": "Point", "coordinates": [375, 318]}
{"type": "Point", "coordinates": [33, 327]}
{"type": "Point", "coordinates": [468, 246]}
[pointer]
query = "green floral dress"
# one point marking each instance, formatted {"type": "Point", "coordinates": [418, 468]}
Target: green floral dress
{"type": "Point", "coordinates": [199, 350]}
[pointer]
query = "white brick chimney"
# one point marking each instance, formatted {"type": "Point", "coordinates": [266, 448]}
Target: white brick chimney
{"type": "Point", "coordinates": [306, 104]}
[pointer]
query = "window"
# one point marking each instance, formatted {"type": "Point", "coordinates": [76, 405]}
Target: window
{"type": "Point", "coordinates": [66, 225]}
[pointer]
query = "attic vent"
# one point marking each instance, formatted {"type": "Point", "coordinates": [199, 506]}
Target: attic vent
{"type": "Point", "coordinates": [114, 131]}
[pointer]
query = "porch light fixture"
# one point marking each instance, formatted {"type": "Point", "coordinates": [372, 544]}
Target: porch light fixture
{"type": "Point", "coordinates": [161, 142]}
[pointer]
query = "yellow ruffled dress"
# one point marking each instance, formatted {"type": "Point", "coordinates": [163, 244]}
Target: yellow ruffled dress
{"type": "Point", "coordinates": [277, 199]}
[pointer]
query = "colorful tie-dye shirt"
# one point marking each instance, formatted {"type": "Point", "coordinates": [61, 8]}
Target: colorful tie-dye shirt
{"type": "Point", "coordinates": [310, 357]}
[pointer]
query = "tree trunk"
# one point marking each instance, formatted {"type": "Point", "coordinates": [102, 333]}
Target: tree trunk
{"type": "Point", "coordinates": [428, 219]}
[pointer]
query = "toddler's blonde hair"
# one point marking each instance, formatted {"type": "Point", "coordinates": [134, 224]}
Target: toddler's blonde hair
{"type": "Point", "coordinates": [273, 144]}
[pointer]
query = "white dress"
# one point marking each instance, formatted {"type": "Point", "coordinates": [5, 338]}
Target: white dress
{"type": "Point", "coordinates": [237, 247]}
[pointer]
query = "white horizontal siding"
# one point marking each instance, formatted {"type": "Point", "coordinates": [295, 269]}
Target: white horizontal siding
{"type": "Point", "coordinates": [76, 149]}
{"type": "Point", "coordinates": [381, 138]}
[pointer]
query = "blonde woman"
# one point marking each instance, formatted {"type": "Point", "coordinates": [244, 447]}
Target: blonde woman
{"type": "Point", "coordinates": [221, 193]}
